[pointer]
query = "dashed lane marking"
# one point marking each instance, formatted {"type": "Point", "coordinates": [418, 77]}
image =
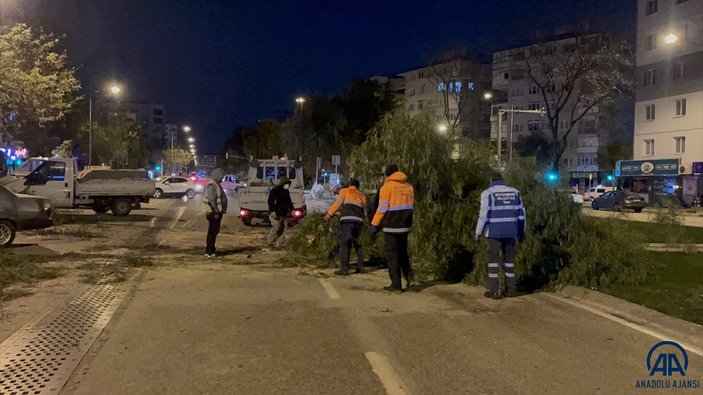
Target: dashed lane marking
{"type": "Point", "coordinates": [333, 294]}
{"type": "Point", "coordinates": [628, 324]}
{"type": "Point", "coordinates": [383, 369]}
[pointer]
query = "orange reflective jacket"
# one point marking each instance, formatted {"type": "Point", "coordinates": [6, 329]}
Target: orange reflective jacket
{"type": "Point", "coordinates": [353, 204]}
{"type": "Point", "coordinates": [395, 205]}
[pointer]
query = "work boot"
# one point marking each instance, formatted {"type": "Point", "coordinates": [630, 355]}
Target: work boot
{"type": "Point", "coordinates": [491, 295]}
{"type": "Point", "coordinates": [391, 288]}
{"type": "Point", "coordinates": [341, 272]}
{"type": "Point", "coordinates": [360, 270]}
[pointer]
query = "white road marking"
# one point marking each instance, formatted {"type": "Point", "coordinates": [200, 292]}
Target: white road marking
{"type": "Point", "coordinates": [628, 324]}
{"type": "Point", "coordinates": [329, 288]}
{"type": "Point", "coordinates": [389, 378]}
{"type": "Point", "coordinates": [175, 220]}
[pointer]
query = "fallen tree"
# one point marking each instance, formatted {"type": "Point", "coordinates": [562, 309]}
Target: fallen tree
{"type": "Point", "coordinates": [563, 246]}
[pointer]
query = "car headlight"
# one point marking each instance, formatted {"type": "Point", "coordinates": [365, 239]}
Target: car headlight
{"type": "Point", "coordinates": [198, 187]}
{"type": "Point", "coordinates": [46, 205]}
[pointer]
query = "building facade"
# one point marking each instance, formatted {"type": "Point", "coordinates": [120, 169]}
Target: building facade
{"type": "Point", "coordinates": [668, 125]}
{"type": "Point", "coordinates": [514, 90]}
{"type": "Point", "coordinates": [454, 91]}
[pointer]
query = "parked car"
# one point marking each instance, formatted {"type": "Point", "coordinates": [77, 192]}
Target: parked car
{"type": "Point", "coordinates": [619, 200]}
{"type": "Point", "coordinates": [173, 186]}
{"type": "Point", "coordinates": [596, 191]}
{"type": "Point", "coordinates": [576, 198]}
{"type": "Point", "coordinates": [21, 212]}
{"type": "Point", "coordinates": [231, 182]}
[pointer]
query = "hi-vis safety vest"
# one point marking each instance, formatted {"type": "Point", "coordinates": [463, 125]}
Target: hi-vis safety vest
{"type": "Point", "coordinates": [353, 205]}
{"type": "Point", "coordinates": [205, 205]}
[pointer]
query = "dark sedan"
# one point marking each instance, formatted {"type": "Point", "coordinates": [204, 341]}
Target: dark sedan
{"type": "Point", "coordinates": [21, 212]}
{"type": "Point", "coordinates": [619, 200]}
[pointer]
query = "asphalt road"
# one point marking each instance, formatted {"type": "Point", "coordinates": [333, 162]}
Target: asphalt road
{"type": "Point", "coordinates": [218, 327]}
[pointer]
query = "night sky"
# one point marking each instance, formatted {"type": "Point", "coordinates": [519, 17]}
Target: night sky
{"type": "Point", "coordinates": [220, 64]}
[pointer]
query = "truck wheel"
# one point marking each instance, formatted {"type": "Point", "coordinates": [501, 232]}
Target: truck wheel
{"type": "Point", "coordinates": [7, 233]}
{"type": "Point", "coordinates": [158, 193]}
{"type": "Point", "coordinates": [246, 221]}
{"type": "Point", "coordinates": [101, 209]}
{"type": "Point", "coordinates": [121, 207]}
{"type": "Point", "coordinates": [190, 193]}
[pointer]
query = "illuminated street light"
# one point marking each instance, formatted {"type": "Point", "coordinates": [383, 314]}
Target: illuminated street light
{"type": "Point", "coordinates": [191, 140]}
{"type": "Point", "coordinates": [301, 101]}
{"type": "Point", "coordinates": [671, 38]}
{"type": "Point", "coordinates": [187, 129]}
{"type": "Point", "coordinates": [115, 89]}
{"type": "Point", "coordinates": [488, 96]}
{"type": "Point", "coordinates": [192, 146]}
{"type": "Point", "coordinates": [442, 128]}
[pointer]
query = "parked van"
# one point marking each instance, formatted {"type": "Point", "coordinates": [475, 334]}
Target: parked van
{"type": "Point", "coordinates": [596, 191]}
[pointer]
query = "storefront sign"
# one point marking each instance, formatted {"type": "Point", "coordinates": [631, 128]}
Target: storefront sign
{"type": "Point", "coordinates": [655, 167]}
{"type": "Point", "coordinates": [697, 167]}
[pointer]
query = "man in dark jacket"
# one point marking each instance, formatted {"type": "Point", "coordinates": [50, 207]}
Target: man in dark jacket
{"type": "Point", "coordinates": [280, 205]}
{"type": "Point", "coordinates": [214, 204]}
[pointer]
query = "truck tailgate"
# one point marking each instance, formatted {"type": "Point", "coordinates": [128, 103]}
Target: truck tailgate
{"type": "Point", "coordinates": [256, 198]}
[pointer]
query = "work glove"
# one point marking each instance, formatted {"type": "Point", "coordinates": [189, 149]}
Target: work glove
{"type": "Point", "coordinates": [327, 218]}
{"type": "Point", "coordinates": [374, 230]}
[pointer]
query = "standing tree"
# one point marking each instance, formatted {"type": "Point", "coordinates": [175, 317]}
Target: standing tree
{"type": "Point", "coordinates": [118, 141]}
{"type": "Point", "coordinates": [265, 142]}
{"type": "Point", "coordinates": [64, 150]}
{"type": "Point", "coordinates": [35, 83]}
{"type": "Point", "coordinates": [177, 158]}
{"type": "Point", "coordinates": [610, 153]}
{"type": "Point", "coordinates": [574, 76]}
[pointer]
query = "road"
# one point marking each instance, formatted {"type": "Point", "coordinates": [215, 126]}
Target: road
{"type": "Point", "coordinates": [244, 324]}
{"type": "Point", "coordinates": [688, 219]}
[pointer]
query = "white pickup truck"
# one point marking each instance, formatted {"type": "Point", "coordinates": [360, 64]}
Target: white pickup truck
{"type": "Point", "coordinates": [263, 176]}
{"type": "Point", "coordinates": [99, 188]}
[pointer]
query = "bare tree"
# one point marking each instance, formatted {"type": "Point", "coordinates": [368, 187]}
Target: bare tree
{"type": "Point", "coordinates": [448, 72]}
{"type": "Point", "coordinates": [573, 76]}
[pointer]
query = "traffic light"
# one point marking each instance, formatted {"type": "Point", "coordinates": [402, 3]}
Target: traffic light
{"type": "Point", "coordinates": [610, 177]}
{"type": "Point", "coordinates": [552, 177]}
{"type": "Point", "coordinates": [158, 168]}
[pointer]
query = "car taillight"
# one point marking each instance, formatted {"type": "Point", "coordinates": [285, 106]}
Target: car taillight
{"type": "Point", "coordinates": [193, 178]}
{"type": "Point", "coordinates": [298, 213]}
{"type": "Point", "coordinates": [244, 213]}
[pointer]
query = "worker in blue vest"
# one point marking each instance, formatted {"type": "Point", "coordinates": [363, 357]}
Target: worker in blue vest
{"type": "Point", "coordinates": [501, 221]}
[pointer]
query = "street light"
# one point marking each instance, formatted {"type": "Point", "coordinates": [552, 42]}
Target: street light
{"type": "Point", "coordinates": [115, 90]}
{"type": "Point", "coordinates": [301, 101]}
{"type": "Point", "coordinates": [671, 38]}
{"type": "Point", "coordinates": [187, 129]}
{"type": "Point", "coordinates": [488, 96]}
{"type": "Point", "coordinates": [191, 140]}
{"type": "Point", "coordinates": [442, 128]}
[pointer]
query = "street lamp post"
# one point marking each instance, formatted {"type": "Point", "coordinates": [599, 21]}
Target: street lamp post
{"type": "Point", "coordinates": [115, 91]}
{"type": "Point", "coordinates": [301, 101]}
{"type": "Point", "coordinates": [499, 134]}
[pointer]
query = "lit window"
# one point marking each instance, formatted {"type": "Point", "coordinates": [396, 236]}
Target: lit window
{"type": "Point", "coordinates": [650, 112]}
{"type": "Point", "coordinates": [680, 107]}
{"type": "Point", "coordinates": [649, 147]}
{"type": "Point", "coordinates": [680, 144]}
{"type": "Point", "coordinates": [470, 86]}
{"type": "Point", "coordinates": [440, 87]}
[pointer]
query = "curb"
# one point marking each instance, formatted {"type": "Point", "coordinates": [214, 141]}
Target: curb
{"type": "Point", "coordinates": [650, 321]}
{"type": "Point", "coordinates": [663, 247]}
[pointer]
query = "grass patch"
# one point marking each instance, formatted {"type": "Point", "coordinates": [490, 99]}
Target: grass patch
{"type": "Point", "coordinates": [25, 269]}
{"type": "Point", "coordinates": [133, 260]}
{"type": "Point", "coordinates": [674, 287]}
{"type": "Point", "coordinates": [82, 232]}
{"type": "Point", "coordinates": [661, 232]}
{"type": "Point", "coordinates": [67, 218]}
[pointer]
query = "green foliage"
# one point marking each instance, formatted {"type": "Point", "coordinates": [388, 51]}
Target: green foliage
{"type": "Point", "coordinates": [610, 153]}
{"type": "Point", "coordinates": [117, 142]}
{"type": "Point", "coordinates": [563, 245]}
{"type": "Point", "coordinates": [265, 141]}
{"type": "Point", "coordinates": [177, 156]}
{"type": "Point", "coordinates": [64, 149]}
{"type": "Point", "coordinates": [26, 269]}
{"type": "Point", "coordinates": [35, 83]}
{"type": "Point", "coordinates": [134, 260]}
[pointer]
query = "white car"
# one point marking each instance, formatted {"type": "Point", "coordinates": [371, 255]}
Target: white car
{"type": "Point", "coordinates": [596, 191]}
{"type": "Point", "coordinates": [176, 187]}
{"type": "Point", "coordinates": [232, 183]}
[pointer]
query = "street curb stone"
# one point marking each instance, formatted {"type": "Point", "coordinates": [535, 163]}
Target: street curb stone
{"type": "Point", "coordinates": [674, 328]}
